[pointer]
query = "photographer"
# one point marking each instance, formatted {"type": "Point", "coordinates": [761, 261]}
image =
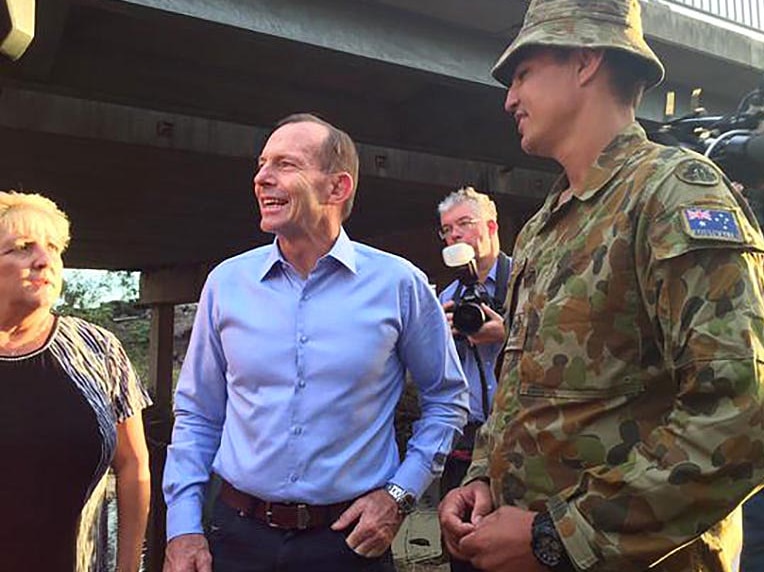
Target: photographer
{"type": "Point", "coordinates": [469, 217]}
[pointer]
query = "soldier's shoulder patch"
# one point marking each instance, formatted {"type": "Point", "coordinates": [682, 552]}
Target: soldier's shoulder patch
{"type": "Point", "coordinates": [696, 172]}
{"type": "Point", "coordinates": [713, 224]}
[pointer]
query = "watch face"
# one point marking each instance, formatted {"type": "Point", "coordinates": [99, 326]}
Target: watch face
{"type": "Point", "coordinates": [547, 546]}
{"type": "Point", "coordinates": [405, 500]}
{"type": "Point", "coordinates": [548, 550]}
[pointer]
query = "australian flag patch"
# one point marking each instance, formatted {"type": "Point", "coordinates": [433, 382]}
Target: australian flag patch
{"type": "Point", "coordinates": [715, 224]}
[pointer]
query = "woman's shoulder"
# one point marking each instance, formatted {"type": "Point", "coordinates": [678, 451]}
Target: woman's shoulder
{"type": "Point", "coordinates": [74, 328]}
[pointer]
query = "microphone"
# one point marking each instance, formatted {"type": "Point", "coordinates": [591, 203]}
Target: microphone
{"type": "Point", "coordinates": [462, 257]}
{"type": "Point", "coordinates": [458, 254]}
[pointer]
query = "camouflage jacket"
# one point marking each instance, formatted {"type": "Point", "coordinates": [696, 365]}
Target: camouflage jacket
{"type": "Point", "coordinates": [630, 397]}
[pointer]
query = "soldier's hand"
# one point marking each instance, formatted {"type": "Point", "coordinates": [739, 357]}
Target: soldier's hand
{"type": "Point", "coordinates": [492, 331]}
{"type": "Point", "coordinates": [187, 553]}
{"type": "Point", "coordinates": [460, 511]}
{"type": "Point", "coordinates": [502, 541]}
{"type": "Point", "coordinates": [377, 519]}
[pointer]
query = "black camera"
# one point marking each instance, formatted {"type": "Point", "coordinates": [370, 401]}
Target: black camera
{"type": "Point", "coordinates": [468, 314]}
{"type": "Point", "coordinates": [734, 141]}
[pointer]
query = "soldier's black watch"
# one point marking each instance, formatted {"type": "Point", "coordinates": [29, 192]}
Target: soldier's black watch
{"type": "Point", "coordinates": [547, 546]}
{"type": "Point", "coordinates": [405, 500]}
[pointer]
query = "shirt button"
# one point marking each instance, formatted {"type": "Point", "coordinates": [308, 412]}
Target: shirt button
{"type": "Point", "coordinates": [297, 430]}
{"type": "Point", "coordinates": [303, 339]}
{"type": "Point", "coordinates": [293, 478]}
{"type": "Point", "coordinates": [301, 383]}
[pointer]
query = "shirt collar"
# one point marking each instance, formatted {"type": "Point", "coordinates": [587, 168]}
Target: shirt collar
{"type": "Point", "coordinates": [342, 251]}
{"type": "Point", "coordinates": [607, 165]}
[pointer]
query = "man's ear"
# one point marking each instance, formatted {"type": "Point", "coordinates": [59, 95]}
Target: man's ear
{"type": "Point", "coordinates": [588, 62]}
{"type": "Point", "coordinates": [341, 189]}
{"type": "Point", "coordinates": [493, 226]}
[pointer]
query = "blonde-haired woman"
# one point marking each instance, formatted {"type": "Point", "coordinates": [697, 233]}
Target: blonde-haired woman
{"type": "Point", "coordinates": [70, 408]}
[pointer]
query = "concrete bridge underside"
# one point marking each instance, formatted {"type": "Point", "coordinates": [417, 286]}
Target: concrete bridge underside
{"type": "Point", "coordinates": [142, 117]}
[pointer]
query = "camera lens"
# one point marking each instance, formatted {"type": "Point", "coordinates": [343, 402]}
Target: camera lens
{"type": "Point", "coordinates": [468, 318]}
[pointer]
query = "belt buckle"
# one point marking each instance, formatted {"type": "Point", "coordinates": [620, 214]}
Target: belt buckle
{"type": "Point", "coordinates": [269, 516]}
{"type": "Point", "coordinates": [303, 516]}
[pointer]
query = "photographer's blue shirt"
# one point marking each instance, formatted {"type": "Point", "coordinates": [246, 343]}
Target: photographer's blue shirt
{"type": "Point", "coordinates": [488, 355]}
{"type": "Point", "coordinates": [289, 387]}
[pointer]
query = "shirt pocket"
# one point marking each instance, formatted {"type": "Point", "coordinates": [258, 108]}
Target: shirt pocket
{"type": "Point", "coordinates": [553, 362]}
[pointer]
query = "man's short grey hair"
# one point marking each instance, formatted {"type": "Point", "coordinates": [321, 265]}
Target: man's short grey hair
{"type": "Point", "coordinates": [483, 204]}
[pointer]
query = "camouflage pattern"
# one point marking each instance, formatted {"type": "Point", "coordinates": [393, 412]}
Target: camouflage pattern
{"type": "Point", "coordinates": [630, 398]}
{"type": "Point", "coordinates": [614, 24]}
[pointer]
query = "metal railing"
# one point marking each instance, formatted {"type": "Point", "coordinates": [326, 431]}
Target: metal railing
{"type": "Point", "coordinates": [748, 13]}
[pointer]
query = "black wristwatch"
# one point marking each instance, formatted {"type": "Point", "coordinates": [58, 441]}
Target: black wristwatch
{"type": "Point", "coordinates": [405, 500]}
{"type": "Point", "coordinates": [547, 546]}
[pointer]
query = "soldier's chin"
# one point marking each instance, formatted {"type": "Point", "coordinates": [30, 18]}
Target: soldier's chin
{"type": "Point", "coordinates": [525, 144]}
{"type": "Point", "coordinates": [530, 147]}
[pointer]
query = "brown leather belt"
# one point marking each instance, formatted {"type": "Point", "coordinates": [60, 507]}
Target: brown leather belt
{"type": "Point", "coordinates": [294, 516]}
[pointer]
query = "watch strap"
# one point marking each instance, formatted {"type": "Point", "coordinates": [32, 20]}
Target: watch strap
{"type": "Point", "coordinates": [547, 545]}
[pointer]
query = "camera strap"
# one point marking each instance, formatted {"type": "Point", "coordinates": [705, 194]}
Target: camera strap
{"type": "Point", "coordinates": [500, 294]}
{"type": "Point", "coordinates": [502, 280]}
{"type": "Point", "coordinates": [483, 380]}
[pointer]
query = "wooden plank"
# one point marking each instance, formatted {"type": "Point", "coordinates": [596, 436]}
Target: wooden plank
{"type": "Point", "coordinates": [158, 419]}
{"type": "Point", "coordinates": [175, 285]}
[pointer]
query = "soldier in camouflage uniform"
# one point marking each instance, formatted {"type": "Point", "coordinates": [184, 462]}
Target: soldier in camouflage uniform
{"type": "Point", "coordinates": [628, 427]}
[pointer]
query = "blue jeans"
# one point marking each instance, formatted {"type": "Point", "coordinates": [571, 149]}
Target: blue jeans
{"type": "Point", "coordinates": [242, 544]}
{"type": "Point", "coordinates": [752, 559]}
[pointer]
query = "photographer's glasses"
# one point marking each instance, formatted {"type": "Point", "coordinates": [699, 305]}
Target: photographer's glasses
{"type": "Point", "coordinates": [462, 224]}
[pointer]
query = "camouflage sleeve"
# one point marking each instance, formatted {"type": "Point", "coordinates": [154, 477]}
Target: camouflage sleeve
{"type": "Point", "coordinates": [479, 466]}
{"type": "Point", "coordinates": [702, 287]}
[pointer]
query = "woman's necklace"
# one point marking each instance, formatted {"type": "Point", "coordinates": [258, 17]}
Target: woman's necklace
{"type": "Point", "coordinates": [9, 349]}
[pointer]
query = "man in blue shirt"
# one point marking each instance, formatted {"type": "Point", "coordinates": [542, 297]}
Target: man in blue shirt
{"type": "Point", "coordinates": [470, 217]}
{"type": "Point", "coordinates": [294, 368]}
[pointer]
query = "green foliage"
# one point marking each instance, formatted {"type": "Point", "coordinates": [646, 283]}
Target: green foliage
{"type": "Point", "coordinates": [83, 296]}
{"type": "Point", "coordinates": [84, 290]}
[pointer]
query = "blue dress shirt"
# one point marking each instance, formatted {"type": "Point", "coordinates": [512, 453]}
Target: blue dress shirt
{"type": "Point", "coordinates": [289, 387]}
{"type": "Point", "coordinates": [488, 354]}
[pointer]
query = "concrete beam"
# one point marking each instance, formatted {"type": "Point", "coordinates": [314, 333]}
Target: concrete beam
{"type": "Point", "coordinates": [430, 38]}
{"type": "Point", "coordinates": [435, 39]}
{"type": "Point", "coordinates": [49, 113]}
{"type": "Point", "coordinates": [678, 25]}
{"type": "Point", "coordinates": [372, 31]}
{"type": "Point", "coordinates": [172, 285]}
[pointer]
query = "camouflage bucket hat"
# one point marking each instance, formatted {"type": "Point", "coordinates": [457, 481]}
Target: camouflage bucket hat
{"type": "Point", "coordinates": [612, 24]}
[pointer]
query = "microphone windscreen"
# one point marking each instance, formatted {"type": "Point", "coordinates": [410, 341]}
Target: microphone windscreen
{"type": "Point", "coordinates": [458, 254]}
